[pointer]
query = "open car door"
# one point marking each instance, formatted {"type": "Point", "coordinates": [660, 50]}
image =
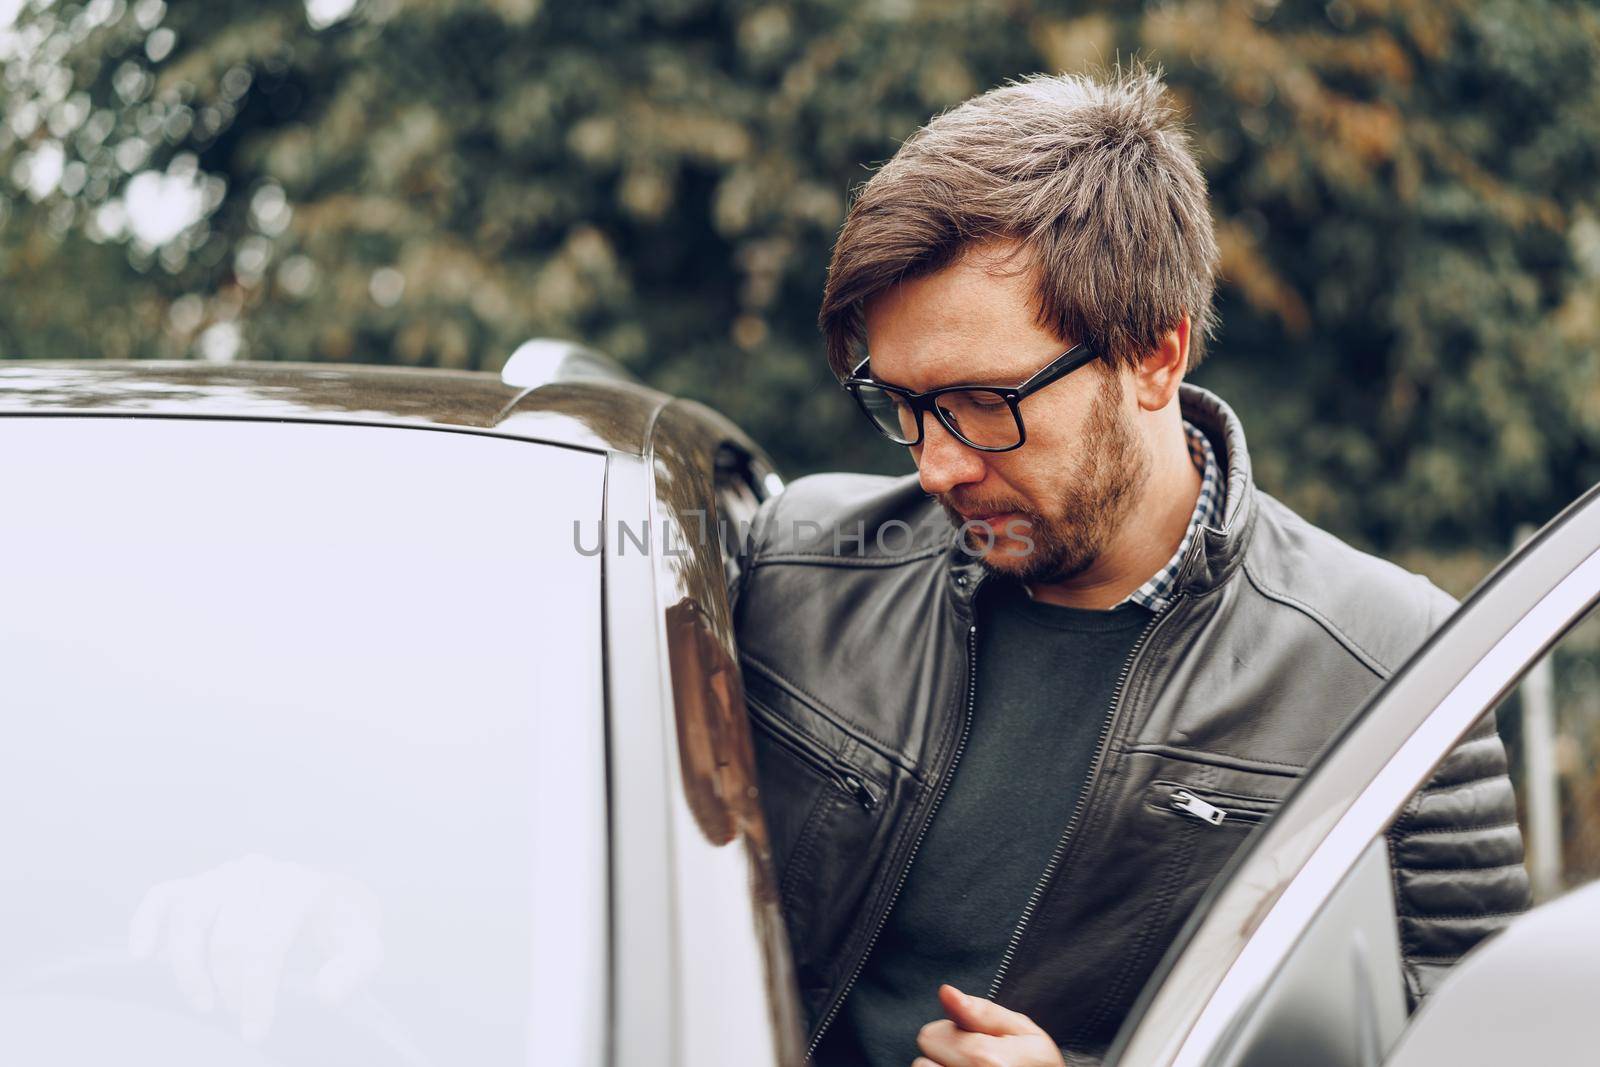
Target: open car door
{"type": "Point", "coordinates": [1293, 957]}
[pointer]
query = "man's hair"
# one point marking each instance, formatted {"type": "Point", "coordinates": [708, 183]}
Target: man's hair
{"type": "Point", "coordinates": [1094, 178]}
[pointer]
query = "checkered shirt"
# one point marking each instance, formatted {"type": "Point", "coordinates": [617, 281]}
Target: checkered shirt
{"type": "Point", "coordinates": [1156, 593]}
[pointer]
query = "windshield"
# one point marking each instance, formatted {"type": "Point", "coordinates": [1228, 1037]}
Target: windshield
{"type": "Point", "coordinates": [303, 751]}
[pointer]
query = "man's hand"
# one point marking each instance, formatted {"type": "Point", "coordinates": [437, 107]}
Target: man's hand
{"type": "Point", "coordinates": [230, 930]}
{"type": "Point", "coordinates": [980, 1033]}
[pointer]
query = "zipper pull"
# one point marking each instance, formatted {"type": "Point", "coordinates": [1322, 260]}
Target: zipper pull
{"type": "Point", "coordinates": [1190, 804]}
{"type": "Point", "coordinates": [861, 791]}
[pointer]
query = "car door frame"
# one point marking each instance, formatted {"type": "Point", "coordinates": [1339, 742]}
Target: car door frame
{"type": "Point", "coordinates": [1259, 908]}
{"type": "Point", "coordinates": [693, 914]}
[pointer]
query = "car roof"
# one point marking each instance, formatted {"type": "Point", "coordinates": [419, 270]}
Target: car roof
{"type": "Point", "coordinates": [584, 403]}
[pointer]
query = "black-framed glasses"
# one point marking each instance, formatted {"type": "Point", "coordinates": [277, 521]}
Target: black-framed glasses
{"type": "Point", "coordinates": [985, 417]}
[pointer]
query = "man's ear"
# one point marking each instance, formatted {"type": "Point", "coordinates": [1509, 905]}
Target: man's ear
{"type": "Point", "coordinates": [1160, 372]}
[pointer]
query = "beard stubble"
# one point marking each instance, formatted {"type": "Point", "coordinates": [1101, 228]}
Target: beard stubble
{"type": "Point", "coordinates": [1087, 512]}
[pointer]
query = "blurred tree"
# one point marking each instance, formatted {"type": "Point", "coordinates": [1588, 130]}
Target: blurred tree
{"type": "Point", "coordinates": [1406, 192]}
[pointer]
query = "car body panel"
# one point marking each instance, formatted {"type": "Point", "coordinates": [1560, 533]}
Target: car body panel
{"type": "Point", "coordinates": [1526, 997]}
{"type": "Point", "coordinates": [587, 410]}
{"type": "Point", "coordinates": [678, 693]}
{"type": "Point", "coordinates": [1260, 907]}
{"type": "Point", "coordinates": [735, 945]}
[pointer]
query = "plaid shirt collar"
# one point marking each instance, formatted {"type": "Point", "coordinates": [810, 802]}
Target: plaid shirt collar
{"type": "Point", "coordinates": [1156, 593]}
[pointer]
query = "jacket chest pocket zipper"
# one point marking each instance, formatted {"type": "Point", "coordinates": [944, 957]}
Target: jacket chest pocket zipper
{"type": "Point", "coordinates": [846, 779]}
{"type": "Point", "coordinates": [1212, 807]}
{"type": "Point", "coordinates": [1190, 804]}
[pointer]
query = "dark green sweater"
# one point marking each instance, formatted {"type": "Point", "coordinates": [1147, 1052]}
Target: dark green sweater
{"type": "Point", "coordinates": [1045, 678]}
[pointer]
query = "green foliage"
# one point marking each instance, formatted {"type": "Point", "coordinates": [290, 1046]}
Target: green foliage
{"type": "Point", "coordinates": [1406, 192]}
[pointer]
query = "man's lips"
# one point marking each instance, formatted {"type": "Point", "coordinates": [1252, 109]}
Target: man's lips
{"type": "Point", "coordinates": [995, 520]}
{"type": "Point", "coordinates": [999, 520]}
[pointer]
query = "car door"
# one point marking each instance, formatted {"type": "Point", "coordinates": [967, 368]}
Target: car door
{"type": "Point", "coordinates": [1295, 951]}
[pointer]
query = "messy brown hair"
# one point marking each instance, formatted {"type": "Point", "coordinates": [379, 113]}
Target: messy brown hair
{"type": "Point", "coordinates": [1095, 181]}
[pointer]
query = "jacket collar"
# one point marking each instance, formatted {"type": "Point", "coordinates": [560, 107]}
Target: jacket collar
{"type": "Point", "coordinates": [1214, 555]}
{"type": "Point", "coordinates": [1220, 550]}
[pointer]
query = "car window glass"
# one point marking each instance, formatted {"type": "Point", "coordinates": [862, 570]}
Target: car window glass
{"type": "Point", "coordinates": [302, 753]}
{"type": "Point", "coordinates": [1551, 728]}
{"type": "Point", "coordinates": [738, 496]}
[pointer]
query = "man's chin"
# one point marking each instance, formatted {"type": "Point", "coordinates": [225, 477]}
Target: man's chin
{"type": "Point", "coordinates": [1018, 561]}
{"type": "Point", "coordinates": [1003, 566]}
{"type": "Point", "coordinates": [1023, 561]}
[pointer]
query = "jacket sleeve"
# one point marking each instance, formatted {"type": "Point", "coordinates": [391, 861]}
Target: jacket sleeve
{"type": "Point", "coordinates": [1456, 856]}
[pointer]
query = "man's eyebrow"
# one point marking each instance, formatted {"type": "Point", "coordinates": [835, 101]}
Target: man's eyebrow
{"type": "Point", "coordinates": [874, 376]}
{"type": "Point", "coordinates": [1003, 383]}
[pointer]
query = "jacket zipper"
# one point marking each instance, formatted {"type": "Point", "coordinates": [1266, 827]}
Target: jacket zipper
{"type": "Point", "coordinates": [1210, 806]}
{"type": "Point", "coordinates": [1060, 850]}
{"type": "Point", "coordinates": [1193, 806]}
{"type": "Point", "coordinates": [905, 868]}
{"type": "Point", "coordinates": [854, 785]}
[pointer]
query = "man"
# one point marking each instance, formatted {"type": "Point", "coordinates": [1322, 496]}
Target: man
{"type": "Point", "coordinates": [1014, 713]}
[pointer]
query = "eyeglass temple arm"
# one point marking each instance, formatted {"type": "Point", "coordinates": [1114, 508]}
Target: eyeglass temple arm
{"type": "Point", "coordinates": [1058, 368]}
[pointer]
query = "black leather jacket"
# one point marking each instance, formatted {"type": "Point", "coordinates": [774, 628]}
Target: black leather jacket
{"type": "Point", "coordinates": [853, 611]}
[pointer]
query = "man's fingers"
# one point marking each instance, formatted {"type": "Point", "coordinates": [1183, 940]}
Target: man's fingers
{"type": "Point", "coordinates": [258, 1001]}
{"type": "Point", "coordinates": [351, 920]}
{"type": "Point", "coordinates": [237, 946]}
{"type": "Point", "coordinates": [186, 917]}
{"type": "Point", "coordinates": [227, 935]}
{"type": "Point", "coordinates": [188, 939]}
{"type": "Point", "coordinates": [145, 928]}
{"type": "Point", "coordinates": [983, 1016]}
{"type": "Point", "coordinates": [351, 969]}
{"type": "Point", "coordinates": [265, 926]}
{"type": "Point", "coordinates": [263, 972]}
{"type": "Point", "coordinates": [947, 1045]}
{"type": "Point", "coordinates": [981, 1033]}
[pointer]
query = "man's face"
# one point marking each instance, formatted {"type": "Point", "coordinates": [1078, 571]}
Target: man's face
{"type": "Point", "coordinates": [1084, 460]}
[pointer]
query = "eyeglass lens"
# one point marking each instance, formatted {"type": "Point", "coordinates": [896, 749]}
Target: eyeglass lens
{"type": "Point", "coordinates": [980, 417]}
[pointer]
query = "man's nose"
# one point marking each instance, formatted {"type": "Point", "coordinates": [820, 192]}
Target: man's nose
{"type": "Point", "coordinates": [942, 461]}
